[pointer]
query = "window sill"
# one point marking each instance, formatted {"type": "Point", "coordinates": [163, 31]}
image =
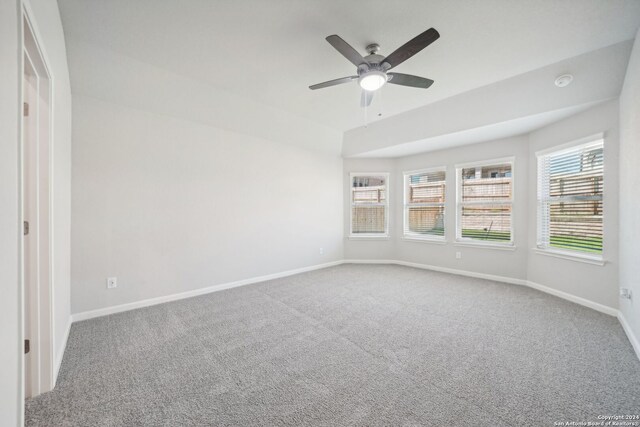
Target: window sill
{"type": "Point", "coordinates": [424, 240]}
{"type": "Point", "coordinates": [497, 246]}
{"type": "Point", "coordinates": [571, 256]}
{"type": "Point", "coordinates": [369, 237]}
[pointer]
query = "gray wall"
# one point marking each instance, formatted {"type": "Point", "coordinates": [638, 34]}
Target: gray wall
{"type": "Point", "coordinates": [596, 283]}
{"type": "Point", "coordinates": [500, 262]}
{"type": "Point", "coordinates": [364, 248]}
{"type": "Point", "coordinates": [593, 282]}
{"type": "Point", "coordinates": [168, 205]}
{"type": "Point", "coordinates": [630, 190]}
{"type": "Point", "coordinates": [507, 263]}
{"type": "Point", "coordinates": [10, 303]}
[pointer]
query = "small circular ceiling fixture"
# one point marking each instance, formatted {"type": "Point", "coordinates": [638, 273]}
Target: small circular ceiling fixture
{"type": "Point", "coordinates": [564, 80]}
{"type": "Point", "coordinates": [372, 80]}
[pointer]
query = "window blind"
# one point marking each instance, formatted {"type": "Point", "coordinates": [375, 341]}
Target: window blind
{"type": "Point", "coordinates": [424, 204]}
{"type": "Point", "coordinates": [570, 198]}
{"type": "Point", "coordinates": [369, 205]}
{"type": "Point", "coordinates": [485, 202]}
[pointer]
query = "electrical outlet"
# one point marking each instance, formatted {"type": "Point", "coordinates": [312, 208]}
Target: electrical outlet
{"type": "Point", "coordinates": [625, 293]}
{"type": "Point", "coordinates": [321, 251]}
{"type": "Point", "coordinates": [112, 282]}
{"type": "Point", "coordinates": [458, 255]}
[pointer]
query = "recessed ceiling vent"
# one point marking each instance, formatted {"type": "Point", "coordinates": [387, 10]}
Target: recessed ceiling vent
{"type": "Point", "coordinates": [564, 80]}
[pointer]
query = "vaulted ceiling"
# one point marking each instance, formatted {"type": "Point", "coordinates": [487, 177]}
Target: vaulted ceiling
{"type": "Point", "coordinates": [265, 54]}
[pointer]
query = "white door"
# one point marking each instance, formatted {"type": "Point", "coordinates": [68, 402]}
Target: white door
{"type": "Point", "coordinates": [37, 253]}
{"type": "Point", "coordinates": [30, 255]}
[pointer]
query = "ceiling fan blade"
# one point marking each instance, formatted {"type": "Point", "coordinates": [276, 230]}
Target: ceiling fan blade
{"type": "Point", "coordinates": [409, 80]}
{"type": "Point", "coordinates": [365, 98]}
{"type": "Point", "coordinates": [332, 82]}
{"type": "Point", "coordinates": [346, 50]}
{"type": "Point", "coordinates": [412, 47]}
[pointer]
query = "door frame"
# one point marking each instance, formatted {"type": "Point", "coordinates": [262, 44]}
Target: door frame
{"type": "Point", "coordinates": [40, 307]}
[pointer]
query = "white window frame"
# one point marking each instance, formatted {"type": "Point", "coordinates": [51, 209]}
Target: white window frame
{"type": "Point", "coordinates": [459, 204]}
{"type": "Point", "coordinates": [405, 206]}
{"type": "Point", "coordinates": [370, 236]}
{"type": "Point", "coordinates": [541, 247]}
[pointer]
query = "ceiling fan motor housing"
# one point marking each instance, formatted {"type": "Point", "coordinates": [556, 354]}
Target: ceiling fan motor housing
{"type": "Point", "coordinates": [371, 66]}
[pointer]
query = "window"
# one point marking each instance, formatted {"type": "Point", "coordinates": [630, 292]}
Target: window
{"type": "Point", "coordinates": [424, 204]}
{"type": "Point", "coordinates": [570, 190]}
{"type": "Point", "coordinates": [369, 205]}
{"type": "Point", "coordinates": [485, 198]}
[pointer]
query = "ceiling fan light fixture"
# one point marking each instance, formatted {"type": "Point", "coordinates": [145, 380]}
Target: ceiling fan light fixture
{"type": "Point", "coordinates": [372, 80]}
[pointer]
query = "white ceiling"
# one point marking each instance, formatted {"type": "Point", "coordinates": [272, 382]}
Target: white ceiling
{"type": "Point", "coordinates": [484, 133]}
{"type": "Point", "coordinates": [271, 51]}
{"type": "Point", "coordinates": [509, 107]}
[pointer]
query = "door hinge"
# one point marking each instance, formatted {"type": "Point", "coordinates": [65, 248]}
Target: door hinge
{"type": "Point", "coordinates": [25, 228]}
{"type": "Point", "coordinates": [27, 346]}
{"type": "Point", "coordinates": [25, 109]}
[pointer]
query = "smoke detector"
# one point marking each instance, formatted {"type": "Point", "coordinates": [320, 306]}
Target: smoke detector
{"type": "Point", "coordinates": [564, 80]}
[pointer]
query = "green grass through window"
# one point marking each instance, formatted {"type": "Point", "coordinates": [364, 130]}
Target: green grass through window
{"type": "Point", "coordinates": [490, 236]}
{"type": "Point", "coordinates": [582, 244]}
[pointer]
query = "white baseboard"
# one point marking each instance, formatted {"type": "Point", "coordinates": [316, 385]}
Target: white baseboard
{"type": "Point", "coordinates": [466, 273]}
{"type": "Point", "coordinates": [60, 354]}
{"type": "Point", "coordinates": [85, 315]}
{"type": "Point", "coordinates": [440, 269]}
{"type": "Point", "coordinates": [564, 295]}
{"type": "Point", "coordinates": [635, 343]}
{"type": "Point", "coordinates": [369, 261]}
{"type": "Point", "coordinates": [182, 295]}
{"type": "Point", "coordinates": [578, 300]}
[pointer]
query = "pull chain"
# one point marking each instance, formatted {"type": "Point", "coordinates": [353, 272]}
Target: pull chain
{"type": "Point", "coordinates": [366, 107]}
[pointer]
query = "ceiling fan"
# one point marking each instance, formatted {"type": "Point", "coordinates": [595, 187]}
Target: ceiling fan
{"type": "Point", "coordinates": [373, 69]}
